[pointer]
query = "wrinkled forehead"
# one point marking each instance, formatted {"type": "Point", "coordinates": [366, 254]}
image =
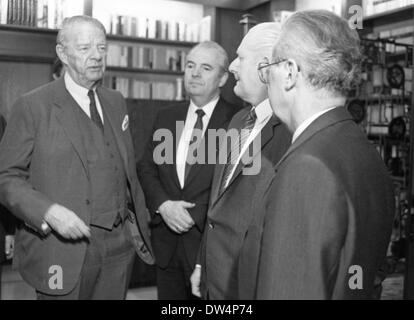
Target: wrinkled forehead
{"type": "Point", "coordinates": [207, 56]}
{"type": "Point", "coordinates": [83, 31]}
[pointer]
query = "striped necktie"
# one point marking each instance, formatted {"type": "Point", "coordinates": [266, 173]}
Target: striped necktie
{"type": "Point", "coordinates": [234, 154]}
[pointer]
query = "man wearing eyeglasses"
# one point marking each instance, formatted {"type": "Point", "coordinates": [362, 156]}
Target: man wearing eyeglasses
{"type": "Point", "coordinates": [329, 204]}
{"type": "Point", "coordinates": [234, 221]}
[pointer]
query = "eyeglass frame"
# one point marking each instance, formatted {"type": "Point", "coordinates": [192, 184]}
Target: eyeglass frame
{"type": "Point", "coordinates": [263, 65]}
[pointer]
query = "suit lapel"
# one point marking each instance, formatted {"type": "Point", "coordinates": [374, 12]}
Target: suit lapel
{"type": "Point", "coordinates": [218, 118]}
{"type": "Point", "coordinates": [65, 113]}
{"type": "Point", "coordinates": [263, 138]}
{"type": "Point", "coordinates": [236, 123]}
{"type": "Point", "coordinates": [326, 120]}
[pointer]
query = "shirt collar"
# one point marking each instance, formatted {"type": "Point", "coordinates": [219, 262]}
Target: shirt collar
{"type": "Point", "coordinates": [207, 108]}
{"type": "Point", "coordinates": [305, 124]}
{"type": "Point", "coordinates": [75, 89]}
{"type": "Point", "coordinates": [263, 111]}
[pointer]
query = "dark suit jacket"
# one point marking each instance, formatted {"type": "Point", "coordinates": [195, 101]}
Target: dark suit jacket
{"type": "Point", "coordinates": [231, 215]}
{"type": "Point", "coordinates": [7, 222]}
{"type": "Point", "coordinates": [42, 162]}
{"type": "Point", "coordinates": [328, 207]}
{"type": "Point", "coordinates": [160, 183]}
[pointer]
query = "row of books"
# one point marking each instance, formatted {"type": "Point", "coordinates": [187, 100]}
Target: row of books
{"type": "Point", "coordinates": [372, 7]}
{"type": "Point", "coordinates": [143, 27]}
{"type": "Point", "coordinates": [37, 13]}
{"type": "Point", "coordinates": [138, 89]}
{"type": "Point", "coordinates": [143, 57]}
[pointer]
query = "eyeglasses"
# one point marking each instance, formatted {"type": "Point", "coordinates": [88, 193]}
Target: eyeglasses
{"type": "Point", "coordinates": [263, 70]}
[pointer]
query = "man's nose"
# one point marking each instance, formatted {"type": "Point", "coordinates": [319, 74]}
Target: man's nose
{"type": "Point", "coordinates": [233, 65]}
{"type": "Point", "coordinates": [97, 54]}
{"type": "Point", "coordinates": [196, 72]}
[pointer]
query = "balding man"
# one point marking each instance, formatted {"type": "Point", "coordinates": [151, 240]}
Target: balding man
{"type": "Point", "coordinates": [234, 218]}
{"type": "Point", "coordinates": [178, 191]}
{"type": "Point", "coordinates": [67, 171]}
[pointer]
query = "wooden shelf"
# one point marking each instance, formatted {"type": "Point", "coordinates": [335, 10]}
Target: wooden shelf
{"type": "Point", "coordinates": [110, 37]}
{"type": "Point", "coordinates": [26, 59]}
{"type": "Point", "coordinates": [407, 10]}
{"type": "Point", "coordinates": [19, 28]}
{"type": "Point", "coordinates": [185, 44]}
{"type": "Point", "coordinates": [146, 71]}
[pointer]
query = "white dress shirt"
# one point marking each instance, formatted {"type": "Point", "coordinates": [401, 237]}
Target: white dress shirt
{"type": "Point", "coordinates": [305, 124]}
{"type": "Point", "coordinates": [264, 114]}
{"type": "Point", "coordinates": [186, 135]}
{"type": "Point", "coordinates": [80, 94]}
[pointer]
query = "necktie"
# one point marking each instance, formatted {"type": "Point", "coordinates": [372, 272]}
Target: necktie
{"type": "Point", "coordinates": [94, 111]}
{"type": "Point", "coordinates": [234, 154]}
{"type": "Point", "coordinates": [195, 138]}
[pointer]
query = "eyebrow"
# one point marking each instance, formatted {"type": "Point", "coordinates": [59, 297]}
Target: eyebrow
{"type": "Point", "coordinates": [203, 64]}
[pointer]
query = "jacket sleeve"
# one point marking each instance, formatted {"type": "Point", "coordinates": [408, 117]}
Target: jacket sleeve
{"type": "Point", "coordinates": [16, 149]}
{"type": "Point", "coordinates": [148, 174]}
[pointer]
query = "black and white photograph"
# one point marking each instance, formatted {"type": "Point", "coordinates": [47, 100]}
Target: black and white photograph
{"type": "Point", "coordinates": [209, 155]}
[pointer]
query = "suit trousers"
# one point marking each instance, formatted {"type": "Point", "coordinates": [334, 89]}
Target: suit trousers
{"type": "Point", "coordinates": [173, 282]}
{"type": "Point", "coordinates": [107, 267]}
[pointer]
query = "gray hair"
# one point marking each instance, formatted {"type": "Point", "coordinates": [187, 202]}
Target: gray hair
{"type": "Point", "coordinates": [262, 38]}
{"type": "Point", "coordinates": [69, 22]}
{"type": "Point", "coordinates": [212, 45]}
{"type": "Point", "coordinates": [325, 47]}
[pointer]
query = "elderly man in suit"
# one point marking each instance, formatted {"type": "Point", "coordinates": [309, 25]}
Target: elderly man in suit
{"type": "Point", "coordinates": [177, 192]}
{"type": "Point", "coordinates": [329, 204]}
{"type": "Point", "coordinates": [67, 170]}
{"type": "Point", "coordinates": [233, 224]}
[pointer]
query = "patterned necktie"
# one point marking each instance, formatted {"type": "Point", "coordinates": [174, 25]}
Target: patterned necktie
{"type": "Point", "coordinates": [195, 138]}
{"type": "Point", "coordinates": [94, 111]}
{"type": "Point", "coordinates": [234, 154]}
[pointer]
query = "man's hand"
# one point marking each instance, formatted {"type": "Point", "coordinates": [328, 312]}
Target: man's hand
{"type": "Point", "coordinates": [176, 216]}
{"type": "Point", "coordinates": [66, 223]}
{"type": "Point", "coordinates": [9, 247]}
{"type": "Point", "coordinates": [195, 281]}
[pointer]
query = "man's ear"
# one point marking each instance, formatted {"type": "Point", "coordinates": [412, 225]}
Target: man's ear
{"type": "Point", "coordinates": [292, 73]}
{"type": "Point", "coordinates": [60, 51]}
{"type": "Point", "coordinates": [224, 79]}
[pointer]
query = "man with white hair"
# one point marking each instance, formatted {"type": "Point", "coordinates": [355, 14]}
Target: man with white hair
{"type": "Point", "coordinates": [329, 206]}
{"type": "Point", "coordinates": [67, 170]}
{"type": "Point", "coordinates": [234, 223]}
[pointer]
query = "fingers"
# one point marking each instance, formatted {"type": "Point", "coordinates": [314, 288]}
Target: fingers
{"type": "Point", "coordinates": [195, 282]}
{"type": "Point", "coordinates": [78, 230]}
{"type": "Point", "coordinates": [66, 223]}
{"type": "Point", "coordinates": [9, 247]}
{"type": "Point", "coordinates": [187, 205]}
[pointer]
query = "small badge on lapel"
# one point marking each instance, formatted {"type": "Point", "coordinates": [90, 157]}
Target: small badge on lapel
{"type": "Point", "coordinates": [125, 124]}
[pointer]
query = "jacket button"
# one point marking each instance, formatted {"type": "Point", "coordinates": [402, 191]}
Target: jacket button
{"type": "Point", "coordinates": [88, 202]}
{"type": "Point", "coordinates": [211, 226]}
